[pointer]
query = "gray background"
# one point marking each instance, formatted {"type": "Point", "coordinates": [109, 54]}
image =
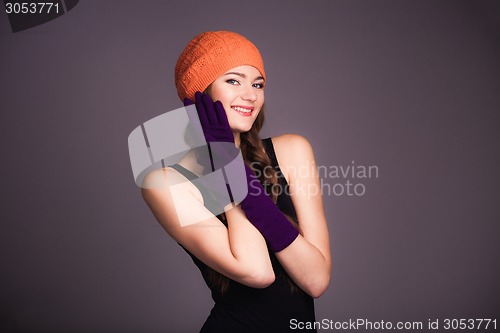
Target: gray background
{"type": "Point", "coordinates": [409, 86]}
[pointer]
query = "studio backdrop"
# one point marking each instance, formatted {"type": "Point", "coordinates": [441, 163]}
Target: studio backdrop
{"type": "Point", "coordinates": [400, 101]}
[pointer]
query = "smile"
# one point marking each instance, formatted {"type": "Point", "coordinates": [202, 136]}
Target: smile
{"type": "Point", "coordinates": [245, 111]}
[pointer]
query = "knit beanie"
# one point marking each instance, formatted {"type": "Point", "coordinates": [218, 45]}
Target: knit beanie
{"type": "Point", "coordinates": [208, 56]}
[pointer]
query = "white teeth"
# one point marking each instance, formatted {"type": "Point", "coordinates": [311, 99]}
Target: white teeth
{"type": "Point", "coordinates": [241, 109]}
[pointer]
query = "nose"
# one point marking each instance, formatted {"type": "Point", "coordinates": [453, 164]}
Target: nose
{"type": "Point", "coordinates": [249, 94]}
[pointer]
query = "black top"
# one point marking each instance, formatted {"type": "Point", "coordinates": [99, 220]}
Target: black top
{"type": "Point", "coordinates": [244, 309]}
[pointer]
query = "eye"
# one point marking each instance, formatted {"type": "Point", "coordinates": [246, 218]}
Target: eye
{"type": "Point", "coordinates": [258, 85]}
{"type": "Point", "coordinates": [232, 81]}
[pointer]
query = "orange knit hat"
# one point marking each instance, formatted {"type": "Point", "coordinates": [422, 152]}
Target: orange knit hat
{"type": "Point", "coordinates": [208, 56]}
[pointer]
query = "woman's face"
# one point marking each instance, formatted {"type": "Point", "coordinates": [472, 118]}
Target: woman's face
{"type": "Point", "coordinates": [241, 92]}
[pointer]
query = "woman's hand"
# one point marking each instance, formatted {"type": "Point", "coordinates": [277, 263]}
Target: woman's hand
{"type": "Point", "coordinates": [216, 130]}
{"type": "Point", "coordinates": [213, 118]}
{"type": "Point", "coordinates": [258, 207]}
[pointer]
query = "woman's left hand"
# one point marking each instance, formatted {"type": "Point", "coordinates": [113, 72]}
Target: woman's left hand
{"type": "Point", "coordinates": [213, 118]}
{"type": "Point", "coordinates": [216, 130]}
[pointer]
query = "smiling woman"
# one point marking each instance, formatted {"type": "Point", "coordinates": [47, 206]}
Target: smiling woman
{"type": "Point", "coordinates": [240, 89]}
{"type": "Point", "coordinates": [267, 258]}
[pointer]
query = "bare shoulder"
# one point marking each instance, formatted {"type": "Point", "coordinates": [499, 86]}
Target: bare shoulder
{"type": "Point", "coordinates": [293, 152]}
{"type": "Point", "coordinates": [291, 148]}
{"type": "Point", "coordinates": [161, 179]}
{"type": "Point", "coordinates": [174, 201]}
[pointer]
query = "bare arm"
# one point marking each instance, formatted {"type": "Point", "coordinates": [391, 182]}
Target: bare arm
{"type": "Point", "coordinates": [307, 260]}
{"type": "Point", "coordinates": [238, 252]}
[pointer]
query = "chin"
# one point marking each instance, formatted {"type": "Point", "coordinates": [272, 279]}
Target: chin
{"type": "Point", "coordinates": [243, 129]}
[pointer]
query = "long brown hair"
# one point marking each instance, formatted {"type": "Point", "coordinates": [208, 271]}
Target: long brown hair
{"type": "Point", "coordinates": [255, 156]}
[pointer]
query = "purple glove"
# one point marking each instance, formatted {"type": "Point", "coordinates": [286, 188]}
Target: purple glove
{"type": "Point", "coordinates": [266, 216]}
{"type": "Point", "coordinates": [258, 207]}
{"type": "Point", "coordinates": [213, 118]}
{"type": "Point", "coordinates": [216, 129]}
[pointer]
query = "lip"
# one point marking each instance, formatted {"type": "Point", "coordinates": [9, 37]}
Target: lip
{"type": "Point", "coordinates": [243, 113]}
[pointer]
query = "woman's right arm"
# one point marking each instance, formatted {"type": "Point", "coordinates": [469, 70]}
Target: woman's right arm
{"type": "Point", "coordinates": [238, 251]}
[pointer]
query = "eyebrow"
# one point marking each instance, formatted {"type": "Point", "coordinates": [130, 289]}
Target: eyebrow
{"type": "Point", "coordinates": [244, 76]}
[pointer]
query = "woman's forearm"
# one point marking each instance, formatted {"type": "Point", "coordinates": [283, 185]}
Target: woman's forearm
{"type": "Point", "coordinates": [307, 266]}
{"type": "Point", "coordinates": [249, 249]}
{"type": "Point", "coordinates": [308, 259]}
{"type": "Point", "coordinates": [238, 252]}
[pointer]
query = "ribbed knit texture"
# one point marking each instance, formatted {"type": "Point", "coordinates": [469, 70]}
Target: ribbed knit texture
{"type": "Point", "coordinates": [208, 56]}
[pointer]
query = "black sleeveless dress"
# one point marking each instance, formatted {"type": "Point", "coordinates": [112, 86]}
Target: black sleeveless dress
{"type": "Point", "coordinates": [242, 309]}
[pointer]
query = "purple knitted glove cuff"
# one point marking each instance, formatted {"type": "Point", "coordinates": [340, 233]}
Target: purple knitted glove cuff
{"type": "Point", "coordinates": [263, 213]}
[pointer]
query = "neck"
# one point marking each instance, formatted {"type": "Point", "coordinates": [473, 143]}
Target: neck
{"type": "Point", "coordinates": [237, 139]}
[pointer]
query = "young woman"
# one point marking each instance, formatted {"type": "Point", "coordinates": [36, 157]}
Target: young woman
{"type": "Point", "coordinates": [268, 257]}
